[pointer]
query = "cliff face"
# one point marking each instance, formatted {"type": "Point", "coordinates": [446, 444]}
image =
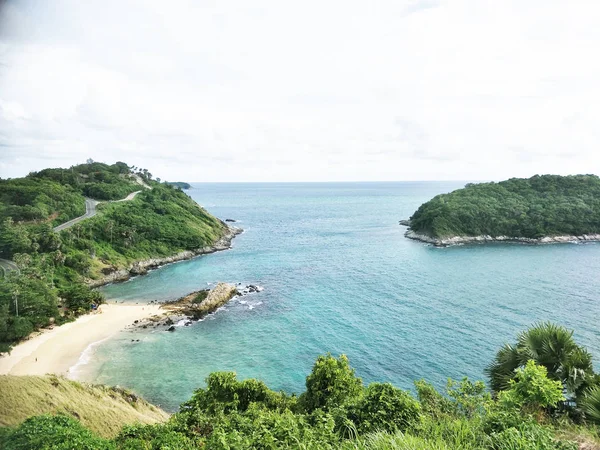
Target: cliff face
{"type": "Point", "coordinates": [142, 267]}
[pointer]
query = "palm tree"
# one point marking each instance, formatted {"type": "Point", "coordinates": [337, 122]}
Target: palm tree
{"type": "Point", "coordinates": [591, 405]}
{"type": "Point", "coordinates": [549, 345]}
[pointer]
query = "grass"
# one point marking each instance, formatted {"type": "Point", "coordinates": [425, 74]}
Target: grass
{"type": "Point", "coordinates": [397, 441]}
{"type": "Point", "coordinates": [102, 409]}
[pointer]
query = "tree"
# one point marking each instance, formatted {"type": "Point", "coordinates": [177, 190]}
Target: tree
{"type": "Point", "coordinates": [590, 405]}
{"type": "Point", "coordinates": [549, 345]}
{"type": "Point", "coordinates": [330, 384]}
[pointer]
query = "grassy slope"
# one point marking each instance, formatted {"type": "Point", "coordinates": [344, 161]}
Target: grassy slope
{"type": "Point", "coordinates": [102, 409]}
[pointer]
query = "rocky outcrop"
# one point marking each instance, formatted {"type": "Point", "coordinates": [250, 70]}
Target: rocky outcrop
{"type": "Point", "coordinates": [200, 303]}
{"type": "Point", "coordinates": [142, 267]}
{"type": "Point", "coordinates": [405, 223]}
{"type": "Point", "coordinates": [461, 240]}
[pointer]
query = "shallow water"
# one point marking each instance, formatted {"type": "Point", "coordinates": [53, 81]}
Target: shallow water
{"type": "Point", "coordinates": [340, 277]}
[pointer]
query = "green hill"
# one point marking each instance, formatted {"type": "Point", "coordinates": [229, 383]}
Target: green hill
{"type": "Point", "coordinates": [541, 206]}
{"type": "Point", "coordinates": [56, 267]}
{"type": "Point", "coordinates": [180, 184]}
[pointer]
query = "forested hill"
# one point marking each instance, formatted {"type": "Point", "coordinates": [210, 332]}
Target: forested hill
{"type": "Point", "coordinates": [55, 267]}
{"type": "Point", "coordinates": [547, 205]}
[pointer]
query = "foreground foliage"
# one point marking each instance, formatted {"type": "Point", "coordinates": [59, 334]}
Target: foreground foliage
{"type": "Point", "coordinates": [548, 205]}
{"type": "Point", "coordinates": [338, 412]}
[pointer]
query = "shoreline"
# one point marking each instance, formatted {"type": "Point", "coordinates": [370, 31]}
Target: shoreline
{"type": "Point", "coordinates": [59, 349]}
{"type": "Point", "coordinates": [144, 266]}
{"type": "Point", "coordinates": [462, 240]}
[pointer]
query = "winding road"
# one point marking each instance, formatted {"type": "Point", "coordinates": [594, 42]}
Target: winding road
{"type": "Point", "coordinates": [90, 211]}
{"type": "Point", "coordinates": [7, 266]}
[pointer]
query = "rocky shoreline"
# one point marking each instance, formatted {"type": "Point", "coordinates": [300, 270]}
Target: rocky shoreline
{"type": "Point", "coordinates": [461, 240]}
{"type": "Point", "coordinates": [142, 267]}
{"type": "Point", "coordinates": [194, 306]}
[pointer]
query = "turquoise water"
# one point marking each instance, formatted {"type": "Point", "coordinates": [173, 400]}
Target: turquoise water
{"type": "Point", "coordinates": [339, 276]}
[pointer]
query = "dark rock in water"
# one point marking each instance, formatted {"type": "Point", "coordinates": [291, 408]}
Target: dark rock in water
{"type": "Point", "coordinates": [187, 324]}
{"type": "Point", "coordinates": [136, 321]}
{"type": "Point", "coordinates": [171, 328]}
{"type": "Point", "coordinates": [169, 321]}
{"type": "Point", "coordinates": [144, 326]}
{"type": "Point", "coordinates": [230, 220]}
{"type": "Point", "coordinates": [405, 223]}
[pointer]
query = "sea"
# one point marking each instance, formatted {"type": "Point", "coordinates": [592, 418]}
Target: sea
{"type": "Point", "coordinates": [339, 277]}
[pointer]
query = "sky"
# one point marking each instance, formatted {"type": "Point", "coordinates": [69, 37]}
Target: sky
{"type": "Point", "coordinates": [279, 90]}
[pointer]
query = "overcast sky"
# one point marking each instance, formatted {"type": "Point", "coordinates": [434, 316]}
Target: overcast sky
{"type": "Point", "coordinates": [278, 90]}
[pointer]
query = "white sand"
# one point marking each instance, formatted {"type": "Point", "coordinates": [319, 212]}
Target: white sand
{"type": "Point", "coordinates": [58, 349]}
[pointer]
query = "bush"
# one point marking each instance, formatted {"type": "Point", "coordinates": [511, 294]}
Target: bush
{"type": "Point", "coordinates": [53, 432]}
{"type": "Point", "coordinates": [528, 436]}
{"type": "Point", "coordinates": [385, 408]}
{"type": "Point", "coordinates": [531, 390]}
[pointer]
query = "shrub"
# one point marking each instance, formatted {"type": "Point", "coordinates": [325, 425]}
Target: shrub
{"type": "Point", "coordinates": [53, 432]}
{"type": "Point", "coordinates": [385, 408]}
{"type": "Point", "coordinates": [330, 384]}
{"type": "Point", "coordinates": [531, 389]}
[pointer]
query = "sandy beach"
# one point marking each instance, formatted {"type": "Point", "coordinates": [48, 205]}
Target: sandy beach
{"type": "Point", "coordinates": [58, 349]}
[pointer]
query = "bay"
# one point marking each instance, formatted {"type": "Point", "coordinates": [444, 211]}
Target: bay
{"type": "Point", "coordinates": [340, 277]}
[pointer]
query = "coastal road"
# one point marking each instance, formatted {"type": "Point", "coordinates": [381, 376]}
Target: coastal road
{"type": "Point", "coordinates": [7, 266]}
{"type": "Point", "coordinates": [90, 211]}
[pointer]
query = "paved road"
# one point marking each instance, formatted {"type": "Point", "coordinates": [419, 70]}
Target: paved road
{"type": "Point", "coordinates": [7, 266]}
{"type": "Point", "coordinates": [90, 211]}
{"type": "Point", "coordinates": [129, 197]}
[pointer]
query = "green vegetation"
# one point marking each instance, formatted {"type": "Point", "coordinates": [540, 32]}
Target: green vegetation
{"type": "Point", "coordinates": [530, 412]}
{"type": "Point", "coordinates": [547, 205]}
{"type": "Point", "coordinates": [104, 410]}
{"type": "Point", "coordinates": [179, 184]}
{"type": "Point", "coordinates": [55, 268]}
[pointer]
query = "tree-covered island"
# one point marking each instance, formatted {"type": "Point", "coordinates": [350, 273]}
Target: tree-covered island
{"type": "Point", "coordinates": [541, 209]}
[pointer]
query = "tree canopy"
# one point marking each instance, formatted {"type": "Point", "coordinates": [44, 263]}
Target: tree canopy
{"type": "Point", "coordinates": [547, 205]}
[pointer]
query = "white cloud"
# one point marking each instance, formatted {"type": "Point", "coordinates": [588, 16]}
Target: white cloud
{"type": "Point", "coordinates": [337, 90]}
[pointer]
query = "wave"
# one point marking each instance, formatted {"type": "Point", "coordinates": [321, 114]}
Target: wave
{"type": "Point", "coordinates": [84, 359]}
